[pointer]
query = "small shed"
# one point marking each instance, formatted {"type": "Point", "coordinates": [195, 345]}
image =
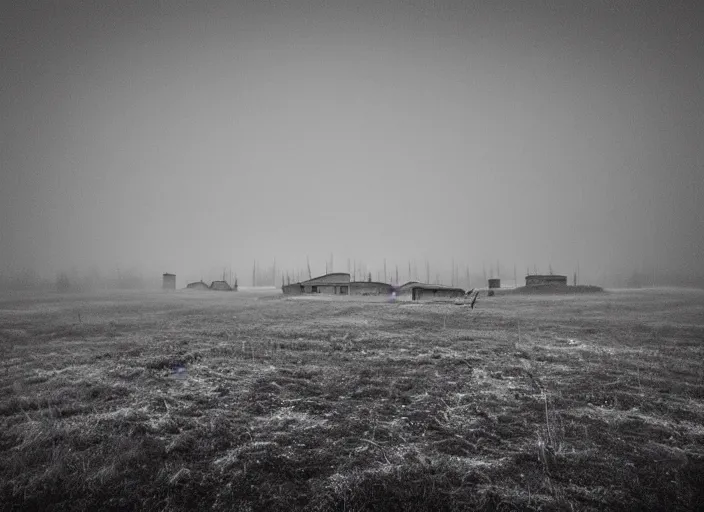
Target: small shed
{"type": "Point", "coordinates": [542, 280]}
{"type": "Point", "coordinates": [198, 285]}
{"type": "Point", "coordinates": [370, 288]}
{"type": "Point", "coordinates": [494, 283]}
{"type": "Point", "coordinates": [422, 291]}
{"type": "Point", "coordinates": [169, 281]}
{"type": "Point", "coordinates": [221, 286]}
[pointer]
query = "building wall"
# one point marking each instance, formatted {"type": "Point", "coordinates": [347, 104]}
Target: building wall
{"type": "Point", "coordinates": [494, 283]}
{"type": "Point", "coordinates": [419, 293]}
{"type": "Point", "coordinates": [542, 280]}
{"type": "Point", "coordinates": [197, 286]}
{"type": "Point", "coordinates": [366, 288]}
{"type": "Point", "coordinates": [328, 289]}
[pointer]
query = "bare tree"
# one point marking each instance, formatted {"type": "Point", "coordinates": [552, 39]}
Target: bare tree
{"type": "Point", "coordinates": [310, 276]}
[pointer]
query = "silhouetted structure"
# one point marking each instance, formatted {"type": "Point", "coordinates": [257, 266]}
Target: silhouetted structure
{"type": "Point", "coordinates": [422, 291]}
{"type": "Point", "coordinates": [337, 283]}
{"type": "Point", "coordinates": [221, 286]}
{"type": "Point", "coordinates": [542, 280]}
{"type": "Point", "coordinates": [169, 281]}
{"type": "Point", "coordinates": [198, 285]}
{"type": "Point", "coordinates": [494, 283]}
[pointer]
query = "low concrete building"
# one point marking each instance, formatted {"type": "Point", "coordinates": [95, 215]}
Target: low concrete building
{"type": "Point", "coordinates": [333, 284]}
{"type": "Point", "coordinates": [370, 288]}
{"type": "Point", "coordinates": [198, 285]}
{"type": "Point", "coordinates": [169, 281]}
{"type": "Point", "coordinates": [542, 280]}
{"type": "Point", "coordinates": [422, 291]}
{"type": "Point", "coordinates": [222, 286]}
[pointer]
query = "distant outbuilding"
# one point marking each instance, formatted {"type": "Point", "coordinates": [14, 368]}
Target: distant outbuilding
{"type": "Point", "coordinates": [169, 281]}
{"type": "Point", "coordinates": [333, 284]}
{"type": "Point", "coordinates": [198, 285]}
{"type": "Point", "coordinates": [337, 283]}
{"type": "Point", "coordinates": [222, 286]}
{"type": "Point", "coordinates": [370, 288]}
{"type": "Point", "coordinates": [422, 291]}
{"type": "Point", "coordinates": [494, 283]}
{"type": "Point", "coordinates": [542, 280]}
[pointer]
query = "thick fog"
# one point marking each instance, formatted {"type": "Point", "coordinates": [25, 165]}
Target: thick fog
{"type": "Point", "coordinates": [187, 138]}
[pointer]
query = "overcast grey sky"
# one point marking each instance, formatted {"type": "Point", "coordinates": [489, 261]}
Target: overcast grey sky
{"type": "Point", "coordinates": [186, 136]}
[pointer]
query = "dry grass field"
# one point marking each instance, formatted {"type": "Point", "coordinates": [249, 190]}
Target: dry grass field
{"type": "Point", "coordinates": [248, 401]}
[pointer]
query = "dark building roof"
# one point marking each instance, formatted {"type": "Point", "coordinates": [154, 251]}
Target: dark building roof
{"type": "Point", "coordinates": [424, 286]}
{"type": "Point", "coordinates": [377, 283]}
{"type": "Point", "coordinates": [169, 275]}
{"type": "Point", "coordinates": [333, 278]}
{"type": "Point", "coordinates": [220, 285]}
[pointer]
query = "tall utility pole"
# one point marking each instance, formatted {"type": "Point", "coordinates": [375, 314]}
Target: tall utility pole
{"type": "Point", "coordinates": [310, 276]}
{"type": "Point", "coordinates": [409, 271]}
{"type": "Point", "coordinates": [354, 270]}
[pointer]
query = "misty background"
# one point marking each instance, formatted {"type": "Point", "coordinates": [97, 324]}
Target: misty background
{"type": "Point", "coordinates": [195, 138]}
